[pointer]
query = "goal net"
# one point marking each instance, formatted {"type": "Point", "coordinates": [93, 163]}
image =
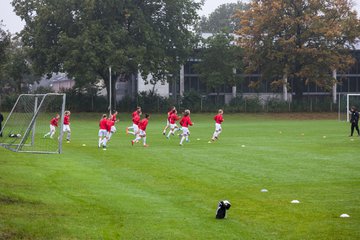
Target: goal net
{"type": "Point", "coordinates": [346, 101]}
{"type": "Point", "coordinates": [28, 123]}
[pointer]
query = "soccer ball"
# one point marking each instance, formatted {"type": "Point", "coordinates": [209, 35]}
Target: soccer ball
{"type": "Point", "coordinates": [18, 135]}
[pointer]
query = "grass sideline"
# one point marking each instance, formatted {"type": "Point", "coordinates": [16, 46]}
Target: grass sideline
{"type": "Point", "coordinates": [171, 192]}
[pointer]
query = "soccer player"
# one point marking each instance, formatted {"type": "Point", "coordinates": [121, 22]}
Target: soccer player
{"type": "Point", "coordinates": [66, 125]}
{"type": "Point", "coordinates": [53, 125]}
{"type": "Point", "coordinates": [135, 119]}
{"type": "Point", "coordinates": [111, 122]}
{"type": "Point", "coordinates": [1, 120]}
{"type": "Point", "coordinates": [354, 121]}
{"type": "Point", "coordinates": [172, 109]}
{"type": "Point", "coordinates": [218, 120]}
{"type": "Point", "coordinates": [173, 118]}
{"type": "Point", "coordinates": [185, 122]}
{"type": "Point", "coordinates": [142, 134]}
{"type": "Point", "coordinates": [103, 131]}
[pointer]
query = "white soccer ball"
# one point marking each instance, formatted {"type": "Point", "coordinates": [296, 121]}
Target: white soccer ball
{"type": "Point", "coordinates": [18, 135]}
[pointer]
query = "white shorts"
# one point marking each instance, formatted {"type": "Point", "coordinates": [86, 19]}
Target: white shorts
{"type": "Point", "coordinates": [113, 129]}
{"type": "Point", "coordinates": [142, 133]}
{"type": "Point", "coordinates": [66, 128]}
{"type": "Point", "coordinates": [52, 128]}
{"type": "Point", "coordinates": [218, 127]}
{"type": "Point", "coordinates": [102, 133]}
{"type": "Point", "coordinates": [135, 127]}
{"type": "Point", "coordinates": [173, 126]}
{"type": "Point", "coordinates": [185, 131]}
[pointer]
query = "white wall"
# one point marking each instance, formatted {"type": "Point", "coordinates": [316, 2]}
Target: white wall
{"type": "Point", "coordinates": [161, 89]}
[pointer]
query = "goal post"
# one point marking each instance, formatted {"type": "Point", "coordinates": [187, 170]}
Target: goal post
{"type": "Point", "coordinates": [351, 101]}
{"type": "Point", "coordinates": [25, 128]}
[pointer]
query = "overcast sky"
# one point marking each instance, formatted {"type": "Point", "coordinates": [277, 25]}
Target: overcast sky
{"type": "Point", "coordinates": [14, 24]}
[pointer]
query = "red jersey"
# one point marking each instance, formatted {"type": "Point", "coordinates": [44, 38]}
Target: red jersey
{"type": "Point", "coordinates": [219, 118]}
{"type": "Point", "coordinates": [134, 114]}
{"type": "Point", "coordinates": [186, 121]}
{"type": "Point", "coordinates": [109, 124]}
{"type": "Point", "coordinates": [54, 122]}
{"type": "Point", "coordinates": [173, 118]}
{"type": "Point", "coordinates": [143, 123]}
{"type": "Point", "coordinates": [136, 119]}
{"type": "Point", "coordinates": [169, 114]}
{"type": "Point", "coordinates": [103, 124]}
{"type": "Point", "coordinates": [66, 120]}
{"type": "Point", "coordinates": [113, 118]}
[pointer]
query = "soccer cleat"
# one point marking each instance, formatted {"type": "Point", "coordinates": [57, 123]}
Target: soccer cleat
{"type": "Point", "coordinates": [164, 133]}
{"type": "Point", "coordinates": [145, 145]}
{"type": "Point", "coordinates": [180, 144]}
{"type": "Point", "coordinates": [132, 142]}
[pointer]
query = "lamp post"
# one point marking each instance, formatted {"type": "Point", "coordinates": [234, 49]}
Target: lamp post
{"type": "Point", "coordinates": [110, 89]}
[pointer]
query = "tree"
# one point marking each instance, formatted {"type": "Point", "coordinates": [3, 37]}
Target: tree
{"type": "Point", "coordinates": [222, 19]}
{"type": "Point", "coordinates": [84, 38]}
{"type": "Point", "coordinates": [17, 72]}
{"type": "Point", "coordinates": [219, 57]}
{"type": "Point", "coordinates": [301, 40]}
{"type": "Point", "coordinates": [5, 40]}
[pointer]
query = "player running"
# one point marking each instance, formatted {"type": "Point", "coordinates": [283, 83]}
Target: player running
{"type": "Point", "coordinates": [66, 125]}
{"type": "Point", "coordinates": [103, 131]}
{"type": "Point", "coordinates": [111, 124]}
{"type": "Point", "coordinates": [173, 127]}
{"type": "Point", "coordinates": [218, 120]}
{"type": "Point", "coordinates": [135, 119]}
{"type": "Point", "coordinates": [142, 131]}
{"type": "Point", "coordinates": [172, 109]}
{"type": "Point", "coordinates": [185, 122]}
{"type": "Point", "coordinates": [53, 125]}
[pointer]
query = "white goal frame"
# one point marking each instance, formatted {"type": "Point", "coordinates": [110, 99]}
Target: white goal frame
{"type": "Point", "coordinates": [31, 127]}
{"type": "Point", "coordinates": [348, 105]}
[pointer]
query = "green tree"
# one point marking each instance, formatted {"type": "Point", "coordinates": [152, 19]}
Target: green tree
{"type": "Point", "coordinates": [84, 38]}
{"type": "Point", "coordinates": [219, 58]}
{"type": "Point", "coordinates": [17, 72]}
{"type": "Point", "coordinates": [299, 39]}
{"type": "Point", "coordinates": [222, 19]}
{"type": "Point", "coordinates": [5, 40]}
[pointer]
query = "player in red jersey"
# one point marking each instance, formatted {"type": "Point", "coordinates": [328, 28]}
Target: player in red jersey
{"type": "Point", "coordinates": [173, 127]}
{"type": "Point", "coordinates": [172, 109]}
{"type": "Point", "coordinates": [135, 119]}
{"type": "Point", "coordinates": [111, 124]}
{"type": "Point", "coordinates": [66, 125]}
{"type": "Point", "coordinates": [53, 124]}
{"type": "Point", "coordinates": [113, 118]}
{"type": "Point", "coordinates": [103, 129]}
{"type": "Point", "coordinates": [185, 122]}
{"type": "Point", "coordinates": [218, 120]}
{"type": "Point", "coordinates": [142, 131]}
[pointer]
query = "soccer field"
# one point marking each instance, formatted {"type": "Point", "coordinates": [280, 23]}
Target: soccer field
{"type": "Point", "coordinates": [167, 191]}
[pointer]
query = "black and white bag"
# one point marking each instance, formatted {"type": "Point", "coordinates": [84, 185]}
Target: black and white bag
{"type": "Point", "coordinates": [222, 207]}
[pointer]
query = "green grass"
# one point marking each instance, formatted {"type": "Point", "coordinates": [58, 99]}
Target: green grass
{"type": "Point", "coordinates": [171, 192]}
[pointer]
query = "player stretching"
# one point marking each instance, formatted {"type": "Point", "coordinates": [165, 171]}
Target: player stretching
{"type": "Point", "coordinates": [53, 124]}
{"type": "Point", "coordinates": [66, 125]}
{"type": "Point", "coordinates": [168, 119]}
{"type": "Point", "coordinates": [142, 134]}
{"type": "Point", "coordinates": [103, 131]}
{"type": "Point", "coordinates": [218, 120]}
{"type": "Point", "coordinates": [173, 127]}
{"type": "Point", "coordinates": [185, 122]}
{"type": "Point", "coordinates": [135, 119]}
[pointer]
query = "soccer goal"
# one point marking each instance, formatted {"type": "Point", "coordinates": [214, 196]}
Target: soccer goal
{"type": "Point", "coordinates": [29, 121]}
{"type": "Point", "coordinates": [352, 99]}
